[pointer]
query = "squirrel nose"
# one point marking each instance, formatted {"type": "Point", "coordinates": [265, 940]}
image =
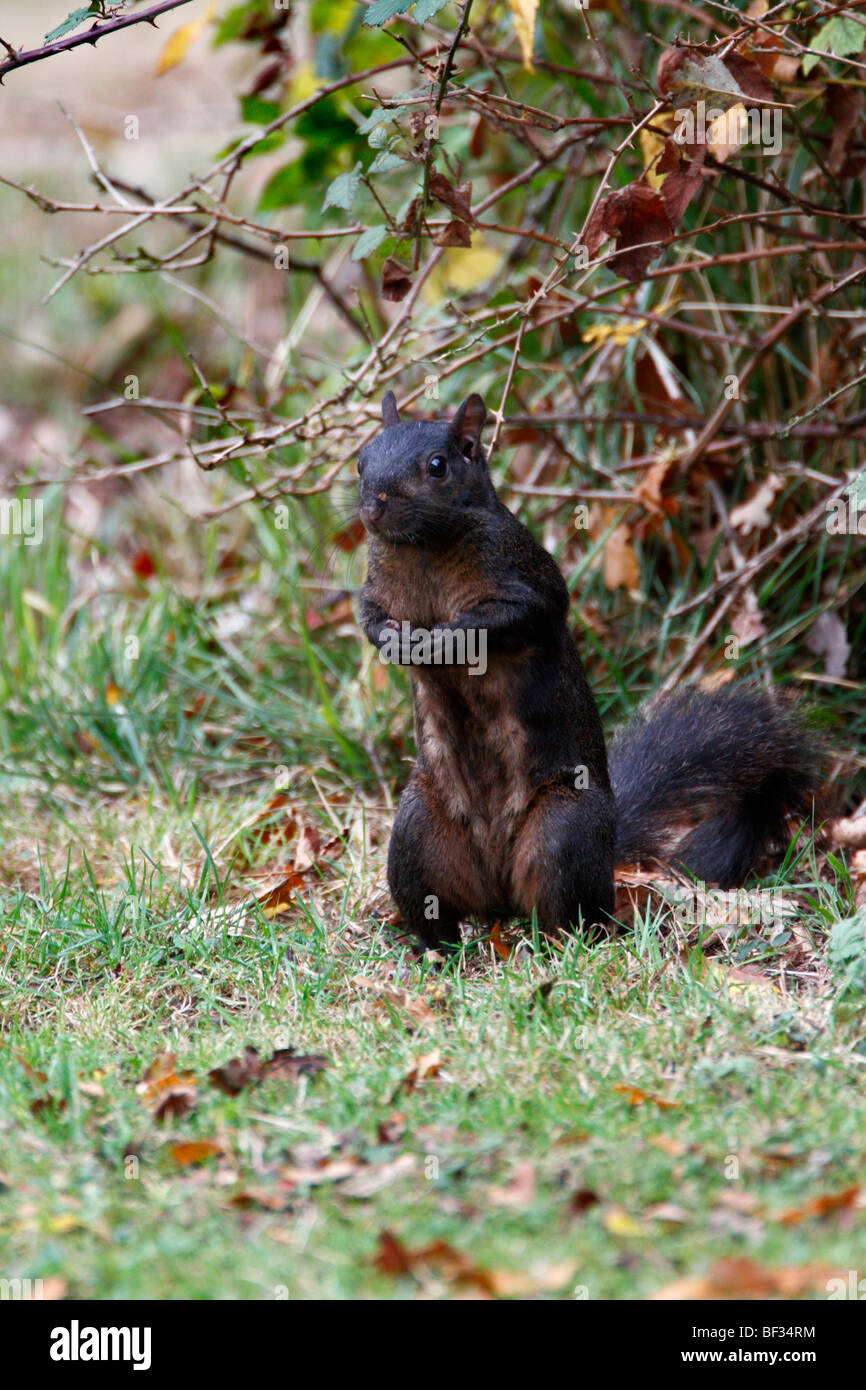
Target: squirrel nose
{"type": "Point", "coordinates": [373, 507]}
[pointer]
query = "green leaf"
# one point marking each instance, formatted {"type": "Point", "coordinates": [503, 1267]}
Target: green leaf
{"type": "Point", "coordinates": [344, 190]}
{"type": "Point", "coordinates": [382, 10]}
{"type": "Point", "coordinates": [368, 242]}
{"type": "Point", "coordinates": [258, 111]}
{"type": "Point", "coordinates": [385, 161]}
{"type": "Point", "coordinates": [425, 9]}
{"type": "Point", "coordinates": [284, 187]}
{"type": "Point", "coordinates": [376, 118]}
{"type": "Point", "coordinates": [71, 22]}
{"type": "Point", "coordinates": [838, 38]}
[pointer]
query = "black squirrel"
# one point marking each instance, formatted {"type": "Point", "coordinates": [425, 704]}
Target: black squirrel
{"type": "Point", "coordinates": [513, 805]}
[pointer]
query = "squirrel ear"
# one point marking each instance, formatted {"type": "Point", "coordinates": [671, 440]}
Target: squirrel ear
{"type": "Point", "coordinates": [468, 424]}
{"type": "Point", "coordinates": [390, 414]}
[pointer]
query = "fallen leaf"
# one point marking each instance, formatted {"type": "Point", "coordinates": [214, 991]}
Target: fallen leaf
{"type": "Point", "coordinates": [823, 1206]}
{"type": "Point", "coordinates": [828, 638]}
{"type": "Point", "coordinates": [743, 1278]}
{"type": "Point", "coordinates": [667, 1211]}
{"type": "Point", "coordinates": [425, 1067]}
{"type": "Point", "coordinates": [237, 1072]}
{"type": "Point", "coordinates": [142, 564]}
{"type": "Point", "coordinates": [620, 1223]}
{"type": "Point", "coordinates": [582, 1200]}
{"type": "Point", "coordinates": [366, 1181]}
{"type": "Point", "coordinates": [675, 1148]}
{"type": "Point", "coordinates": [638, 1097]}
{"type": "Point", "coordinates": [621, 565]}
{"type": "Point", "coordinates": [392, 1129]}
{"type": "Point", "coordinates": [52, 1103]}
{"type": "Point", "coordinates": [250, 1068]}
{"type": "Point", "coordinates": [519, 1191]}
{"type": "Point", "coordinates": [196, 1151]}
{"type": "Point", "coordinates": [754, 515]}
{"type": "Point", "coordinates": [508, 1283]}
{"type": "Point", "coordinates": [399, 998]}
{"type": "Point", "coordinates": [395, 1259]}
{"type": "Point", "coordinates": [165, 1094]}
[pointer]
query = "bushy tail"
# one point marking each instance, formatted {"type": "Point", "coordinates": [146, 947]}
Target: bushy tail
{"type": "Point", "coordinates": [707, 781]}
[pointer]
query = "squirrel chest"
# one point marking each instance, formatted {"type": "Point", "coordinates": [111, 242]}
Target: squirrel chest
{"type": "Point", "coordinates": [413, 588]}
{"type": "Point", "coordinates": [472, 745]}
{"type": "Point", "coordinates": [470, 738]}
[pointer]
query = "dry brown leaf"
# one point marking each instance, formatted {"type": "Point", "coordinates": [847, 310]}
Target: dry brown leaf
{"type": "Point", "coordinates": [395, 1258]}
{"type": "Point", "coordinates": [400, 998]}
{"type": "Point", "coordinates": [632, 216]}
{"type": "Point", "coordinates": [667, 1211]}
{"type": "Point", "coordinates": [823, 1206]}
{"type": "Point", "coordinates": [743, 1278]}
{"type": "Point", "coordinates": [508, 1283]}
{"type": "Point", "coordinates": [754, 515]}
{"type": "Point", "coordinates": [393, 1128]}
{"type": "Point", "coordinates": [621, 566]}
{"type": "Point", "coordinates": [582, 1200]}
{"type": "Point", "coordinates": [519, 1191]}
{"type": "Point", "coordinates": [396, 280]}
{"type": "Point", "coordinates": [196, 1151]}
{"type": "Point", "coordinates": [366, 1181]}
{"type": "Point", "coordinates": [648, 491]}
{"type": "Point", "coordinates": [844, 108]}
{"type": "Point", "coordinates": [166, 1094]}
{"type": "Point", "coordinates": [458, 200]}
{"type": "Point", "coordinates": [250, 1068]}
{"type": "Point", "coordinates": [454, 233]}
{"type": "Point", "coordinates": [425, 1067]}
{"type": "Point", "coordinates": [681, 170]}
{"type": "Point", "coordinates": [638, 1097]}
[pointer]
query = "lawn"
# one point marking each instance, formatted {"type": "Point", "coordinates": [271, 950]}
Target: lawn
{"type": "Point", "coordinates": [193, 831]}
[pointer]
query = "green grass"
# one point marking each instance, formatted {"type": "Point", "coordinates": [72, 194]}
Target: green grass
{"type": "Point", "coordinates": [133, 825]}
{"type": "Point", "coordinates": [97, 983]}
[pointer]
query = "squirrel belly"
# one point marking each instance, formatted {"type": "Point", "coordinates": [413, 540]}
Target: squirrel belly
{"type": "Point", "coordinates": [510, 809]}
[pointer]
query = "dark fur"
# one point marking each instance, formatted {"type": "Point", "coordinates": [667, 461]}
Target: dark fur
{"type": "Point", "coordinates": [509, 808]}
{"type": "Point", "coordinates": [732, 765]}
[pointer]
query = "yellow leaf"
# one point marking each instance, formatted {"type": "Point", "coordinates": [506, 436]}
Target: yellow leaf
{"type": "Point", "coordinates": [64, 1222]}
{"type": "Point", "coordinates": [524, 12]}
{"type": "Point", "coordinates": [728, 132]}
{"type": "Point", "coordinates": [620, 331]}
{"type": "Point", "coordinates": [177, 44]}
{"type": "Point", "coordinates": [462, 268]}
{"type": "Point", "coordinates": [652, 142]}
{"type": "Point", "coordinates": [303, 84]}
{"type": "Point", "coordinates": [619, 1223]}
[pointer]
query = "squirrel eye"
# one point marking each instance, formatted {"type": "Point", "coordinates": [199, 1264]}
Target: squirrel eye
{"type": "Point", "coordinates": [437, 466]}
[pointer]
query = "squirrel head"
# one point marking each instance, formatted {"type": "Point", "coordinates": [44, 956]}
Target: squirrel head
{"type": "Point", "coordinates": [421, 480]}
